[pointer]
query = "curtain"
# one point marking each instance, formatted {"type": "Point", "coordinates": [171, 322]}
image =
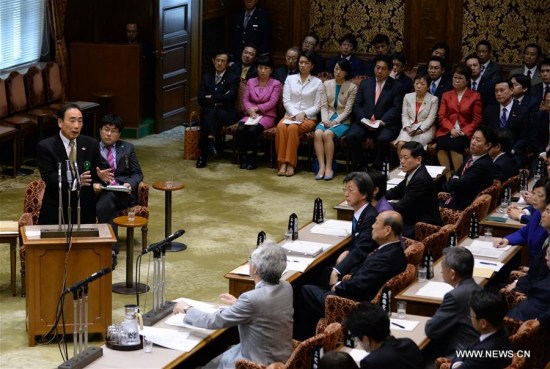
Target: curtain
{"type": "Point", "coordinates": [57, 13]}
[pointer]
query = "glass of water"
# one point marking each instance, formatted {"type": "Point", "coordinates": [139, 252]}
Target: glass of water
{"type": "Point", "coordinates": [401, 309]}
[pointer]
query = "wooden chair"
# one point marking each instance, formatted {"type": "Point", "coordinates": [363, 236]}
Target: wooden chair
{"type": "Point", "coordinates": [436, 242]}
{"type": "Point", "coordinates": [337, 308]}
{"type": "Point", "coordinates": [517, 363]}
{"type": "Point", "coordinates": [36, 98]}
{"type": "Point", "coordinates": [31, 210]}
{"type": "Point", "coordinates": [494, 191]}
{"type": "Point", "coordinates": [302, 356]}
{"type": "Point", "coordinates": [53, 86]}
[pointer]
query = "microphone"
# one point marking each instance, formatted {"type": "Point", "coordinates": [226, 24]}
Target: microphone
{"type": "Point", "coordinates": [168, 239]}
{"type": "Point", "coordinates": [87, 280]}
{"type": "Point", "coordinates": [59, 178]}
{"type": "Point", "coordinates": [69, 172]}
{"type": "Point", "coordinates": [77, 174]}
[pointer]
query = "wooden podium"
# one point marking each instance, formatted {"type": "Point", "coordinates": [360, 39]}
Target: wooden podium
{"type": "Point", "coordinates": [45, 266]}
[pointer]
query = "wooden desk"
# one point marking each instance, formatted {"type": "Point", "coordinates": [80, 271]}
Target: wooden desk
{"type": "Point", "coordinates": [45, 260]}
{"type": "Point", "coordinates": [345, 212]}
{"type": "Point", "coordinates": [242, 283]}
{"type": "Point", "coordinates": [423, 305]}
{"type": "Point", "coordinates": [10, 237]}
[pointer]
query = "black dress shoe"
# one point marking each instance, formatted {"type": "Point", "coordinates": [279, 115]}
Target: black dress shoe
{"type": "Point", "coordinates": [201, 162]}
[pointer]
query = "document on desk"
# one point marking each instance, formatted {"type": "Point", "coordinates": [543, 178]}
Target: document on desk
{"type": "Point", "coordinates": [297, 263]}
{"type": "Point", "coordinates": [395, 181]}
{"type": "Point", "coordinates": [357, 354]}
{"type": "Point", "coordinates": [118, 188]}
{"type": "Point", "coordinates": [434, 289]}
{"type": "Point", "coordinates": [484, 264]}
{"type": "Point", "coordinates": [207, 307]}
{"type": "Point", "coordinates": [175, 339]}
{"type": "Point", "coordinates": [9, 227]}
{"type": "Point", "coordinates": [331, 227]}
{"type": "Point", "coordinates": [305, 248]}
{"type": "Point", "coordinates": [403, 325]}
{"type": "Point", "coordinates": [241, 270]}
{"type": "Point", "coordinates": [486, 249]}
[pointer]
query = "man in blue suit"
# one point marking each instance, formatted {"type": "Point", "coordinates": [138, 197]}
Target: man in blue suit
{"type": "Point", "coordinates": [376, 114]}
{"type": "Point", "coordinates": [348, 44]}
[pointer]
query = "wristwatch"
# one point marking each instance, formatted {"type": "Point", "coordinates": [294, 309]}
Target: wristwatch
{"type": "Point", "coordinates": [187, 309]}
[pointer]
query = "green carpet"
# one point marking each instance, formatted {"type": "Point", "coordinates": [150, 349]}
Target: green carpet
{"type": "Point", "coordinates": [222, 209]}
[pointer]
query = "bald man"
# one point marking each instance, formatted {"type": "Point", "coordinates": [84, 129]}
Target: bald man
{"type": "Point", "coordinates": [379, 266]}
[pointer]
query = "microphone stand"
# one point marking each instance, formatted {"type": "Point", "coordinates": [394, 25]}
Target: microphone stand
{"type": "Point", "coordinates": [82, 354]}
{"type": "Point", "coordinates": [59, 197]}
{"type": "Point", "coordinates": [161, 308]}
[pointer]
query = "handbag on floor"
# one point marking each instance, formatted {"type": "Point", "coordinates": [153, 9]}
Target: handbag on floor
{"type": "Point", "coordinates": [191, 138]}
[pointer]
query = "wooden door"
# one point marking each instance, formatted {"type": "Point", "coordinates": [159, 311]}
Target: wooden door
{"type": "Point", "coordinates": [172, 52]}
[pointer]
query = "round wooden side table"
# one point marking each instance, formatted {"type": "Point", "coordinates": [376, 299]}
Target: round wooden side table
{"type": "Point", "coordinates": [129, 287]}
{"type": "Point", "coordinates": [168, 187]}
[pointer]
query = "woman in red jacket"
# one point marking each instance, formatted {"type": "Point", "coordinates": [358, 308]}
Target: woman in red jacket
{"type": "Point", "coordinates": [459, 116]}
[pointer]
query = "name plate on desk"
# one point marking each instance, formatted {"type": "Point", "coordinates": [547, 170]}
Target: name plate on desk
{"type": "Point", "coordinates": [76, 232]}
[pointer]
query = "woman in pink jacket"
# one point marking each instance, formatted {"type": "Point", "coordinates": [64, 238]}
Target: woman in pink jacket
{"type": "Point", "coordinates": [260, 106]}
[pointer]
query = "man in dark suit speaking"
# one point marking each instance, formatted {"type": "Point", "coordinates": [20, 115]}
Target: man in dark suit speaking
{"type": "Point", "coordinates": [122, 159]}
{"type": "Point", "coordinates": [70, 145]}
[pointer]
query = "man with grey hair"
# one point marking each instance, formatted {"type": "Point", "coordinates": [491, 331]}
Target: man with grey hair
{"type": "Point", "coordinates": [450, 328]}
{"type": "Point", "coordinates": [264, 315]}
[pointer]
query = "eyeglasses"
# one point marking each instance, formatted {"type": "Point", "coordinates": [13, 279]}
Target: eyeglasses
{"type": "Point", "coordinates": [348, 190]}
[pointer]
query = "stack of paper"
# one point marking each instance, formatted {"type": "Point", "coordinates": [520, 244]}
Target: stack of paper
{"type": "Point", "coordinates": [486, 249]}
{"type": "Point", "coordinates": [9, 227]}
{"type": "Point", "coordinates": [339, 228]}
{"type": "Point", "coordinates": [242, 270]}
{"type": "Point", "coordinates": [304, 248]}
{"type": "Point", "coordinates": [297, 263]}
{"type": "Point", "coordinates": [434, 289]}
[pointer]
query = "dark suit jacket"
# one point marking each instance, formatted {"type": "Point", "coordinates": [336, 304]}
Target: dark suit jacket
{"type": "Point", "coordinates": [467, 186]}
{"type": "Point", "coordinates": [467, 112]}
{"type": "Point", "coordinates": [517, 123]}
{"type": "Point", "coordinates": [537, 90]}
{"type": "Point", "coordinates": [538, 270]}
{"type": "Point", "coordinates": [443, 86]}
{"type": "Point", "coordinates": [379, 267]}
{"type": "Point", "coordinates": [493, 72]}
{"type": "Point", "coordinates": [281, 73]}
{"type": "Point", "coordinates": [451, 328]}
{"type": "Point", "coordinates": [537, 304]}
{"type": "Point", "coordinates": [417, 200]}
{"type": "Point", "coordinates": [357, 65]}
{"type": "Point", "coordinates": [486, 89]}
{"type": "Point", "coordinates": [394, 353]}
{"type": "Point", "coordinates": [530, 104]}
{"type": "Point", "coordinates": [538, 132]}
{"type": "Point", "coordinates": [318, 65]}
{"type": "Point", "coordinates": [361, 241]}
{"type": "Point", "coordinates": [223, 94]}
{"type": "Point", "coordinates": [387, 108]}
{"type": "Point", "coordinates": [497, 341]}
{"type": "Point", "coordinates": [237, 67]}
{"type": "Point", "coordinates": [51, 151]}
{"type": "Point", "coordinates": [257, 31]}
{"type": "Point", "coordinates": [406, 83]}
{"type": "Point", "coordinates": [127, 170]}
{"type": "Point", "coordinates": [505, 167]}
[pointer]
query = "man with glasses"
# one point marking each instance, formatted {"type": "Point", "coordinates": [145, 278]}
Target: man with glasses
{"type": "Point", "coordinates": [310, 43]}
{"type": "Point", "coordinates": [290, 67]}
{"type": "Point", "coordinates": [123, 161]}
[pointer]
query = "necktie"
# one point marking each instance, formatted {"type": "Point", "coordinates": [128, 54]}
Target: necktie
{"type": "Point", "coordinates": [353, 225]}
{"type": "Point", "coordinates": [433, 88]}
{"type": "Point", "coordinates": [378, 91]}
{"type": "Point", "coordinates": [546, 90]}
{"type": "Point", "coordinates": [529, 73]}
{"type": "Point", "coordinates": [246, 19]}
{"type": "Point", "coordinates": [111, 160]}
{"type": "Point", "coordinates": [218, 79]}
{"type": "Point", "coordinates": [474, 86]}
{"type": "Point", "coordinates": [72, 155]}
{"type": "Point", "coordinates": [503, 118]}
{"type": "Point", "coordinates": [244, 71]}
{"type": "Point", "coordinates": [467, 165]}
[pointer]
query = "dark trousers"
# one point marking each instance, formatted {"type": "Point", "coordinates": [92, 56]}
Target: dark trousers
{"type": "Point", "coordinates": [248, 138]}
{"type": "Point", "coordinates": [212, 120]}
{"type": "Point", "coordinates": [355, 137]}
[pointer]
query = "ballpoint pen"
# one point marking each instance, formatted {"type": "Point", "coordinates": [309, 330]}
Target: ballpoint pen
{"type": "Point", "coordinates": [486, 263]}
{"type": "Point", "coordinates": [398, 325]}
